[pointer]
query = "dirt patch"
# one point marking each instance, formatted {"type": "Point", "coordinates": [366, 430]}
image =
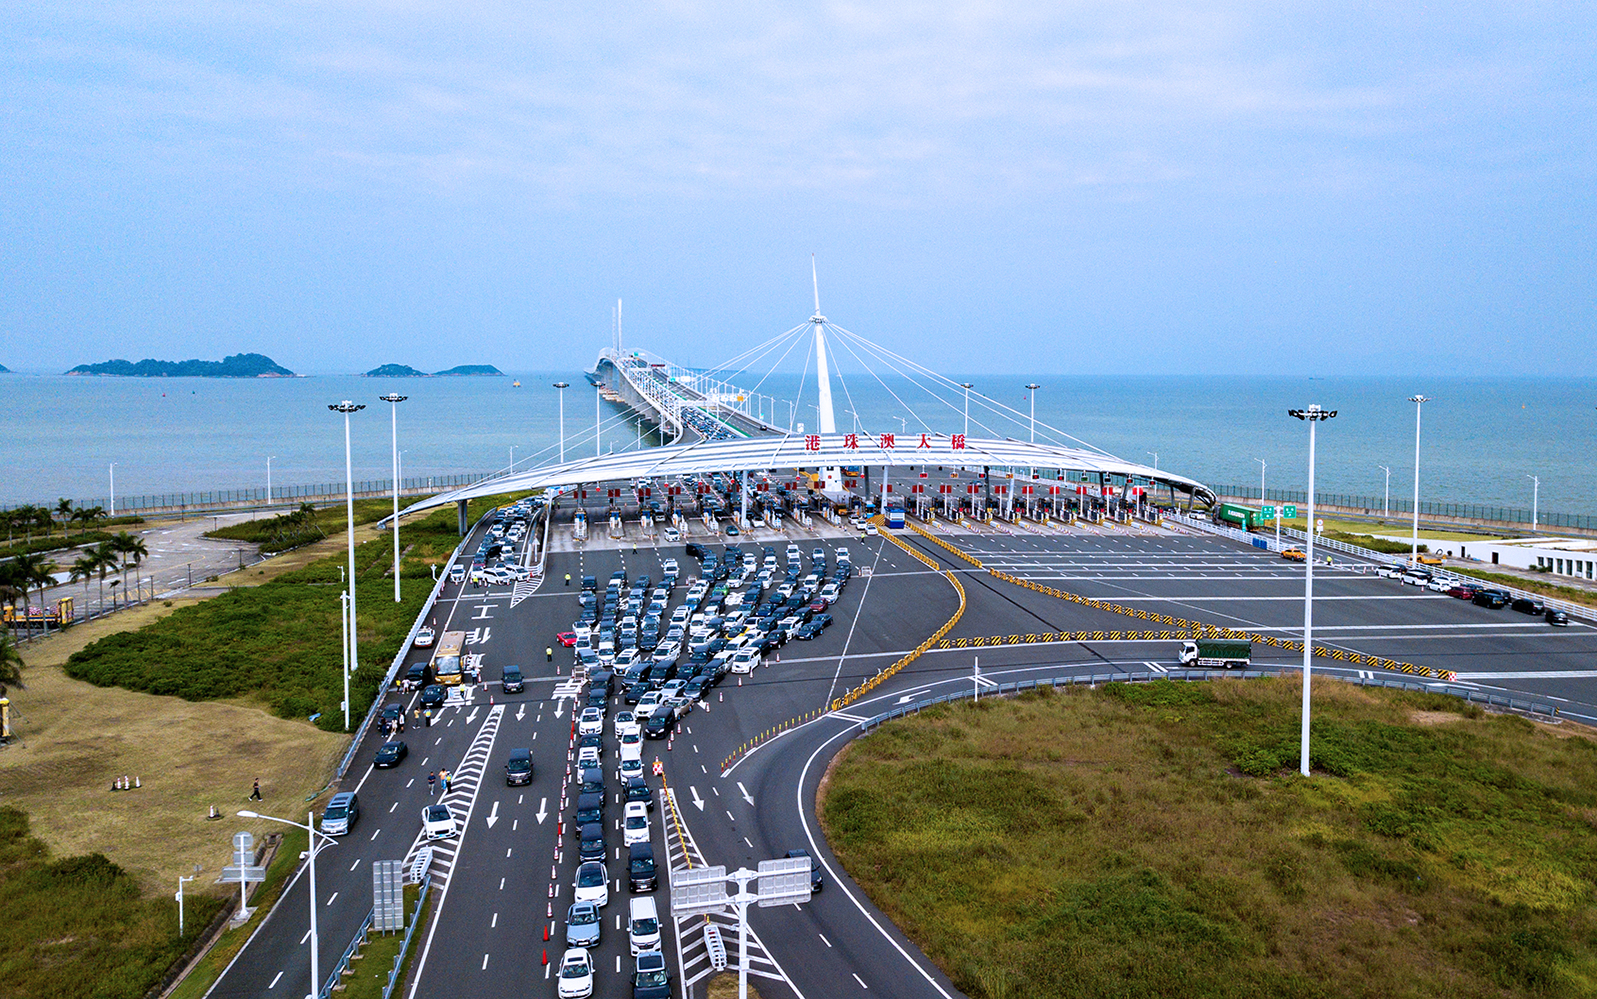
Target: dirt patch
{"type": "Point", "coordinates": [74, 739]}
{"type": "Point", "coordinates": [725, 986]}
{"type": "Point", "coordinates": [1433, 717]}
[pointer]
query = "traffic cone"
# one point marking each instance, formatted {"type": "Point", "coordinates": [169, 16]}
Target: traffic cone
{"type": "Point", "coordinates": [546, 933]}
{"type": "Point", "coordinates": [549, 912]}
{"type": "Point", "coordinates": [551, 889]}
{"type": "Point", "coordinates": [546, 955]}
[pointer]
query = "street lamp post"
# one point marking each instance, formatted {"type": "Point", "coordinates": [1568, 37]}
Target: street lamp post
{"type": "Point", "coordinates": [1312, 415]}
{"type": "Point", "coordinates": [511, 470]}
{"type": "Point", "coordinates": [346, 407]}
{"type": "Point", "coordinates": [1386, 498]}
{"type": "Point", "coordinates": [967, 387]}
{"type": "Point", "coordinates": [1535, 496]}
{"type": "Point", "coordinates": [343, 616]}
{"type": "Point", "coordinates": [598, 397]}
{"type": "Point", "coordinates": [1155, 459]}
{"type": "Point", "coordinates": [1031, 473]}
{"type": "Point", "coordinates": [1419, 402]}
{"type": "Point", "coordinates": [562, 386]}
{"type": "Point", "coordinates": [113, 489]}
{"type": "Point", "coordinates": [269, 479]}
{"type": "Point", "coordinates": [393, 399]}
{"type": "Point", "coordinates": [180, 882]}
{"type": "Point", "coordinates": [310, 827]}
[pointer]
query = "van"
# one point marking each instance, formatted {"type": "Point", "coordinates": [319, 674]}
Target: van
{"type": "Point", "coordinates": [641, 875]}
{"type": "Point", "coordinates": [340, 814]}
{"type": "Point", "coordinates": [518, 768]}
{"type": "Point", "coordinates": [643, 925]}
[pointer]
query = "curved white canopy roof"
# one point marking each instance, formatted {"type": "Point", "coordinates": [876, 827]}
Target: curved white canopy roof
{"type": "Point", "coordinates": [796, 451]}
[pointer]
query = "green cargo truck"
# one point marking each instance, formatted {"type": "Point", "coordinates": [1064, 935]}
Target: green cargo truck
{"type": "Point", "coordinates": [1225, 654]}
{"type": "Point", "coordinates": [1245, 517]}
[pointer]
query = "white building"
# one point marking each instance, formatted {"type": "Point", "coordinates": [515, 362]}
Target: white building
{"type": "Point", "coordinates": [1575, 557]}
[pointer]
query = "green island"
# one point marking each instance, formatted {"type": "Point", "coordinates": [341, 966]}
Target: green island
{"type": "Point", "coordinates": [1157, 840]}
{"type": "Point", "coordinates": [235, 366]}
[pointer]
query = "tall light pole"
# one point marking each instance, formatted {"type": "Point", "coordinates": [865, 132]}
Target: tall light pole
{"type": "Point", "coordinates": [967, 387]}
{"type": "Point", "coordinates": [269, 479]}
{"type": "Point", "coordinates": [1312, 415]}
{"type": "Point", "coordinates": [180, 882]}
{"type": "Point", "coordinates": [1031, 390]}
{"type": "Point", "coordinates": [598, 398]}
{"type": "Point", "coordinates": [1262, 466]}
{"type": "Point", "coordinates": [113, 489]}
{"type": "Point", "coordinates": [393, 399]}
{"type": "Point", "coordinates": [1419, 402]}
{"type": "Point", "coordinates": [1535, 496]}
{"type": "Point", "coordinates": [512, 467]}
{"type": "Point", "coordinates": [346, 407]}
{"type": "Point", "coordinates": [1386, 501]}
{"type": "Point", "coordinates": [562, 386]}
{"type": "Point", "coordinates": [343, 605]}
{"type": "Point", "coordinates": [310, 827]}
{"type": "Point", "coordinates": [1155, 459]}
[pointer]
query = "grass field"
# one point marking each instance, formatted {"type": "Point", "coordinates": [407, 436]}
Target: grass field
{"type": "Point", "coordinates": [1114, 842]}
{"type": "Point", "coordinates": [287, 531]}
{"type": "Point", "coordinates": [1395, 527]}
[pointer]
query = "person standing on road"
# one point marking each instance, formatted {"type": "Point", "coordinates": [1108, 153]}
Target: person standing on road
{"type": "Point", "coordinates": [255, 794]}
{"type": "Point", "coordinates": [432, 782]}
{"type": "Point", "coordinates": [568, 579]}
{"type": "Point", "coordinates": [443, 781]}
{"type": "Point", "coordinates": [548, 653]}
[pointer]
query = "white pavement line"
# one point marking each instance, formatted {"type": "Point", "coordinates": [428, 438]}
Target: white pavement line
{"type": "Point", "coordinates": [485, 736]}
{"type": "Point", "coordinates": [274, 980]}
{"type": "Point", "coordinates": [815, 851]}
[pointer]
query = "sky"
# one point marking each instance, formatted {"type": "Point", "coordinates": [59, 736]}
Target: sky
{"type": "Point", "coordinates": [1079, 188]}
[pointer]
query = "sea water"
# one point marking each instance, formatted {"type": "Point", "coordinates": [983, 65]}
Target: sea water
{"type": "Point", "coordinates": [1480, 438]}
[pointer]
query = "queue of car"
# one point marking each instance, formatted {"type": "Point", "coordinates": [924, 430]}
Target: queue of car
{"type": "Point", "coordinates": [1480, 594]}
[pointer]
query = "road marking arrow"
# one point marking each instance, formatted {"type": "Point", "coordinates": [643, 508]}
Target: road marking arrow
{"type": "Point", "coordinates": [471, 717]}
{"type": "Point", "coordinates": [521, 712]}
{"type": "Point", "coordinates": [493, 816]}
{"type": "Point", "coordinates": [746, 795]}
{"type": "Point", "coordinates": [560, 706]}
{"type": "Point", "coordinates": [698, 802]}
{"type": "Point", "coordinates": [543, 810]}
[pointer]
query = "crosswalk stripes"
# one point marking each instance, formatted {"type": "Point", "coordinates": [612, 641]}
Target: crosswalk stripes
{"type": "Point", "coordinates": [1156, 667]}
{"type": "Point", "coordinates": [464, 781]}
{"type": "Point", "coordinates": [692, 954]}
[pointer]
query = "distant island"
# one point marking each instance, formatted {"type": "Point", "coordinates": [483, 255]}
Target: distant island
{"type": "Point", "coordinates": [236, 366]}
{"type": "Point", "coordinates": [4, 370]}
{"type": "Point", "coordinates": [406, 371]}
{"type": "Point", "coordinates": [395, 371]}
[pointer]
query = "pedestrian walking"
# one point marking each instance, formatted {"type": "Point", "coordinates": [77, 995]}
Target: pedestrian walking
{"type": "Point", "coordinates": [432, 782]}
{"type": "Point", "coordinates": [255, 794]}
{"type": "Point", "coordinates": [443, 780]}
{"type": "Point", "coordinates": [401, 724]}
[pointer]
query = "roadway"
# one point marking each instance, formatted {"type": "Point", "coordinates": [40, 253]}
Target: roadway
{"type": "Point", "coordinates": [494, 882]}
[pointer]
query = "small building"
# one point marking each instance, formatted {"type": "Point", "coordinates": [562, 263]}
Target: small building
{"type": "Point", "coordinates": [1570, 557]}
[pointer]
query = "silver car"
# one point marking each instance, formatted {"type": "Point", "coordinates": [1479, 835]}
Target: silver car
{"type": "Point", "coordinates": [583, 925]}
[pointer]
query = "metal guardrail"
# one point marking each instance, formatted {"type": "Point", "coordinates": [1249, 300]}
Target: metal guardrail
{"type": "Point", "coordinates": [404, 647]}
{"type": "Point", "coordinates": [1502, 701]}
{"type": "Point", "coordinates": [404, 947]}
{"type": "Point", "coordinates": [349, 952]}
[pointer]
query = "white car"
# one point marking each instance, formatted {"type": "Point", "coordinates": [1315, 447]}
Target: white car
{"type": "Point", "coordinates": [630, 768]}
{"type": "Point", "coordinates": [648, 702]}
{"type": "Point", "coordinates": [1389, 571]}
{"type": "Point", "coordinates": [671, 693]}
{"type": "Point", "coordinates": [424, 637]}
{"type": "Point", "coordinates": [593, 883]}
{"type": "Point", "coordinates": [635, 823]}
{"type": "Point", "coordinates": [673, 535]}
{"type": "Point", "coordinates": [437, 822]}
{"type": "Point", "coordinates": [627, 723]}
{"type": "Point", "coordinates": [745, 660]}
{"type": "Point", "coordinates": [590, 722]}
{"type": "Point", "coordinates": [588, 756]}
{"type": "Point", "coordinates": [632, 740]}
{"type": "Point", "coordinates": [576, 974]}
{"type": "Point", "coordinates": [870, 530]}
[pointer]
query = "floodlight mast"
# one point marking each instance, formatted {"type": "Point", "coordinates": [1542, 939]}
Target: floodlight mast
{"type": "Point", "coordinates": [1312, 415]}
{"type": "Point", "coordinates": [831, 480]}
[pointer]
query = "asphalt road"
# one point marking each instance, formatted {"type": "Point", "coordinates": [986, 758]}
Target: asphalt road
{"type": "Point", "coordinates": [735, 808]}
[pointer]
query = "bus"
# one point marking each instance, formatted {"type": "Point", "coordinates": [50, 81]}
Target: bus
{"type": "Point", "coordinates": [446, 661]}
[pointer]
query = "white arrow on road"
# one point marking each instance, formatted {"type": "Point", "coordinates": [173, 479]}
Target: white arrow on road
{"type": "Point", "coordinates": [698, 802]}
{"type": "Point", "coordinates": [543, 810]}
{"type": "Point", "coordinates": [746, 795]}
{"type": "Point", "coordinates": [560, 706]}
{"type": "Point", "coordinates": [910, 697]}
{"type": "Point", "coordinates": [471, 717]}
{"type": "Point", "coordinates": [493, 816]}
{"type": "Point", "coordinates": [521, 712]}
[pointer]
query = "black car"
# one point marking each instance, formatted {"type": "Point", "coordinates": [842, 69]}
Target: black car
{"type": "Point", "coordinates": [1528, 605]}
{"type": "Point", "coordinates": [390, 753]}
{"type": "Point", "coordinates": [824, 620]}
{"type": "Point", "coordinates": [1493, 599]}
{"type": "Point", "coordinates": [658, 725]}
{"type": "Point", "coordinates": [1556, 617]}
{"type": "Point", "coordinates": [809, 632]}
{"type": "Point", "coordinates": [432, 696]}
{"type": "Point", "coordinates": [591, 838]}
{"type": "Point", "coordinates": [696, 550]}
{"type": "Point", "coordinates": [590, 781]}
{"type": "Point", "coordinates": [390, 717]}
{"type": "Point", "coordinates": [641, 873]}
{"type": "Point", "coordinates": [595, 740]}
{"type": "Point", "coordinates": [590, 808]}
{"type": "Point", "coordinates": [416, 677]}
{"type": "Point", "coordinates": [518, 768]}
{"type": "Point", "coordinates": [634, 693]}
{"type": "Point", "coordinates": [773, 640]}
{"type": "Point", "coordinates": [597, 698]}
{"type": "Point", "coordinates": [511, 680]}
{"type": "Point", "coordinates": [816, 881]}
{"type": "Point", "coordinates": [638, 790]}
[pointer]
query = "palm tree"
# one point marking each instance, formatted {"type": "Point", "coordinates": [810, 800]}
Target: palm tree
{"type": "Point", "coordinates": [10, 665]}
{"type": "Point", "coordinates": [34, 571]}
{"type": "Point", "coordinates": [12, 586]}
{"type": "Point", "coordinates": [42, 517]}
{"type": "Point", "coordinates": [104, 556]}
{"type": "Point", "coordinates": [63, 510]}
{"type": "Point", "coordinates": [83, 569]}
{"type": "Point", "coordinates": [125, 544]}
{"type": "Point", "coordinates": [22, 516]}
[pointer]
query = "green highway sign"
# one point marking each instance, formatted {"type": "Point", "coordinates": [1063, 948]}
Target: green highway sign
{"type": "Point", "coordinates": [1289, 511]}
{"type": "Point", "coordinates": [1267, 512]}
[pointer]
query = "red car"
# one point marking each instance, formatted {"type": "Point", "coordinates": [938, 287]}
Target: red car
{"type": "Point", "coordinates": [1463, 591]}
{"type": "Point", "coordinates": [567, 638]}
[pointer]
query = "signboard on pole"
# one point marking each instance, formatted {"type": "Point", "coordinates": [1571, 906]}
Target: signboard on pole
{"type": "Point", "coordinates": [1267, 512]}
{"type": "Point", "coordinates": [698, 890]}
{"type": "Point", "coordinates": [243, 869]}
{"type": "Point", "coordinates": [1289, 511]}
{"type": "Point", "coordinates": [785, 881]}
{"type": "Point", "coordinates": [388, 895]}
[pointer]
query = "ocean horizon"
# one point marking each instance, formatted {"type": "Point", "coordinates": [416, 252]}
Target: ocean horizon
{"type": "Point", "coordinates": [1481, 438]}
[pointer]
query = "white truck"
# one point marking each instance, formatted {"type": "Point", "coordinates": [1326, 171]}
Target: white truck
{"type": "Point", "coordinates": [1224, 653]}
